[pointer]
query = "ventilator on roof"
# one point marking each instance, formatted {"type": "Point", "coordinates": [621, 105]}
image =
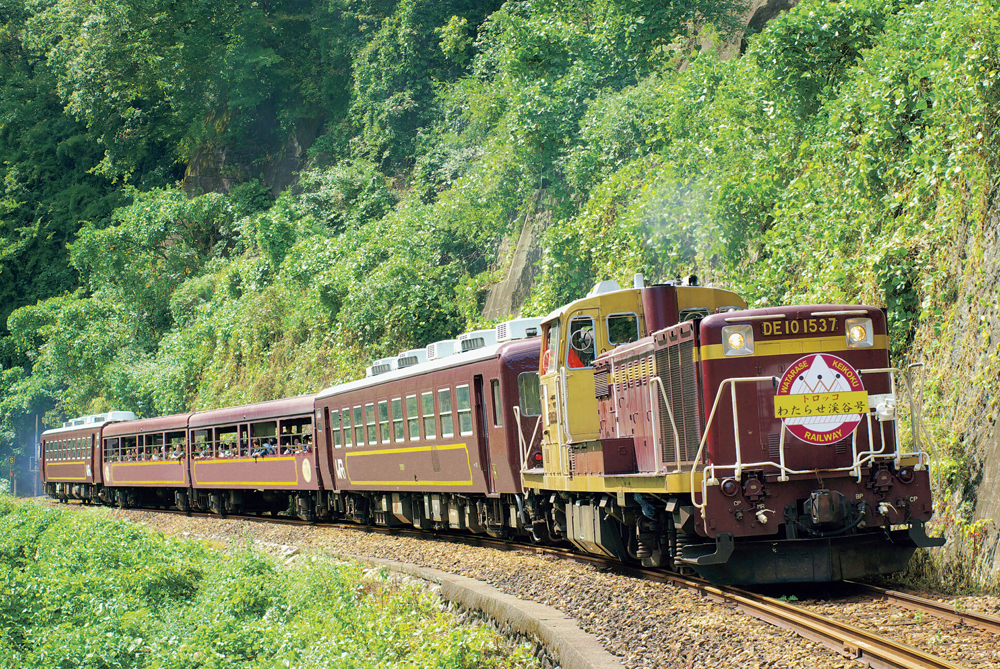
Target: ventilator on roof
{"type": "Point", "coordinates": [602, 287]}
{"type": "Point", "coordinates": [470, 341]}
{"type": "Point", "coordinates": [412, 357]}
{"type": "Point", "coordinates": [381, 366]}
{"type": "Point", "coordinates": [519, 328]}
{"type": "Point", "coordinates": [100, 418]}
{"type": "Point", "coordinates": [442, 349]}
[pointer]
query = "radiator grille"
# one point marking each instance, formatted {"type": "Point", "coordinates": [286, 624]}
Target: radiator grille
{"type": "Point", "coordinates": [675, 366]}
{"type": "Point", "coordinates": [601, 384]}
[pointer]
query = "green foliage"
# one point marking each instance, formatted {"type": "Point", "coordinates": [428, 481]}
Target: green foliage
{"type": "Point", "coordinates": [46, 184]}
{"type": "Point", "coordinates": [344, 196]}
{"type": "Point", "coordinates": [831, 163]}
{"type": "Point", "coordinates": [810, 52]}
{"type": "Point", "coordinates": [395, 74]}
{"type": "Point", "coordinates": [83, 590]}
{"type": "Point", "coordinates": [455, 39]}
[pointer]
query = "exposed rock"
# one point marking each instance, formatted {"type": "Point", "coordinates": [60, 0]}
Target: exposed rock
{"type": "Point", "coordinates": [216, 169]}
{"type": "Point", "coordinates": [757, 15]}
{"type": "Point", "coordinates": [506, 297]}
{"type": "Point", "coordinates": [975, 347]}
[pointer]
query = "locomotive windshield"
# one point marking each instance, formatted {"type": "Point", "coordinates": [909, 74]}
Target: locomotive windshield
{"type": "Point", "coordinates": [623, 329]}
{"type": "Point", "coordinates": [550, 358]}
{"type": "Point", "coordinates": [581, 352]}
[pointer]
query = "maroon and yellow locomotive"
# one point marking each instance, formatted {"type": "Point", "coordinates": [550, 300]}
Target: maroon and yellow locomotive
{"type": "Point", "coordinates": [753, 446]}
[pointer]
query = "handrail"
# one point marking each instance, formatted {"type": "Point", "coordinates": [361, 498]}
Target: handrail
{"type": "Point", "coordinates": [656, 380]}
{"type": "Point", "coordinates": [524, 447]}
{"type": "Point", "coordinates": [859, 458]}
{"type": "Point", "coordinates": [704, 436]}
{"type": "Point", "coordinates": [563, 392]}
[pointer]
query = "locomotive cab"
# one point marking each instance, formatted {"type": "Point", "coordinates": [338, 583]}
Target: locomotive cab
{"type": "Point", "coordinates": [577, 335]}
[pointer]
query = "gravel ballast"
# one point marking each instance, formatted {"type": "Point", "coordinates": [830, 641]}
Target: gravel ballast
{"type": "Point", "coordinates": [645, 624]}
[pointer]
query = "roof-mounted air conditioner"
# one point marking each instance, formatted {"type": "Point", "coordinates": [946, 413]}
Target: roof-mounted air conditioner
{"type": "Point", "coordinates": [519, 328]}
{"type": "Point", "coordinates": [470, 341]}
{"type": "Point", "coordinates": [100, 418]}
{"type": "Point", "coordinates": [412, 357]}
{"type": "Point", "coordinates": [381, 366]}
{"type": "Point", "coordinates": [442, 349]}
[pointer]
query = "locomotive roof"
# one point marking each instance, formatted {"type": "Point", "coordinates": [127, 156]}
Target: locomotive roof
{"type": "Point", "coordinates": [159, 424]}
{"type": "Point", "coordinates": [456, 360]}
{"type": "Point", "coordinates": [290, 406]}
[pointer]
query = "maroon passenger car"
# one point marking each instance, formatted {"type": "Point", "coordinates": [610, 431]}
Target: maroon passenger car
{"type": "Point", "coordinates": [436, 443]}
{"type": "Point", "coordinates": [252, 457]}
{"type": "Point", "coordinates": [145, 461]}
{"type": "Point", "coordinates": [70, 456]}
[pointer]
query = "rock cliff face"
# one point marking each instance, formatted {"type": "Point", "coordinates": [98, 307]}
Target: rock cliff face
{"type": "Point", "coordinates": [506, 297]}
{"type": "Point", "coordinates": [216, 169]}
{"type": "Point", "coordinates": [964, 352]}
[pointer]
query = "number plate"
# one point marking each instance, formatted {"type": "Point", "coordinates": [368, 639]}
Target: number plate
{"type": "Point", "coordinates": [827, 325]}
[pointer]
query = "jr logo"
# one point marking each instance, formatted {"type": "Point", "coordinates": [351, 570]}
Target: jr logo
{"type": "Point", "coordinates": [341, 470]}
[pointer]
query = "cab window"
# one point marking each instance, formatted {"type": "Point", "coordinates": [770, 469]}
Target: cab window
{"type": "Point", "coordinates": [580, 354]}
{"type": "Point", "coordinates": [529, 395]}
{"type": "Point", "coordinates": [550, 358]}
{"type": "Point", "coordinates": [623, 329]}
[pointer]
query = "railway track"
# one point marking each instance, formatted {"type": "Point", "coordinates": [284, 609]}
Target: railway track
{"type": "Point", "coordinates": [866, 647]}
{"type": "Point", "coordinates": [931, 607]}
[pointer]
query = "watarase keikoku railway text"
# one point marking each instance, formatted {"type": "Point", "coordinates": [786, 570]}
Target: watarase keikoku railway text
{"type": "Point", "coordinates": [657, 425]}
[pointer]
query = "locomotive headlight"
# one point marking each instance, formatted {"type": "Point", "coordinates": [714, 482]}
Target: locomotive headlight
{"type": "Point", "coordinates": [859, 333]}
{"type": "Point", "coordinates": [737, 340]}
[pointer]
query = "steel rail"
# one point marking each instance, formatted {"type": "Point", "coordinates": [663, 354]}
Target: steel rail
{"type": "Point", "coordinates": [934, 608]}
{"type": "Point", "coordinates": [858, 644]}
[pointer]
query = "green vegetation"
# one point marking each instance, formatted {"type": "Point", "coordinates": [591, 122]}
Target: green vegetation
{"type": "Point", "coordinates": [82, 590]}
{"type": "Point", "coordinates": [835, 161]}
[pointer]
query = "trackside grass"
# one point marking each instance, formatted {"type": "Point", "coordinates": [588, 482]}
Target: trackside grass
{"type": "Point", "coordinates": [84, 591]}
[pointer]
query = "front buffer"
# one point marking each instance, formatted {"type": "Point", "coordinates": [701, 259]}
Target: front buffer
{"type": "Point", "coordinates": [760, 562]}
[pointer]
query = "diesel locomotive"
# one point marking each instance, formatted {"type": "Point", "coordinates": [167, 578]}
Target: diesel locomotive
{"type": "Point", "coordinates": [667, 425]}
